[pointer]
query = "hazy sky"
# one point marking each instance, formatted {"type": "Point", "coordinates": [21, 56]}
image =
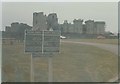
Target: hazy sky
{"type": "Point", "coordinates": [98, 11]}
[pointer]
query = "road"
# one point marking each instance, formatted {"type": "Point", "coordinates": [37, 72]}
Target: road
{"type": "Point", "coordinates": [109, 47]}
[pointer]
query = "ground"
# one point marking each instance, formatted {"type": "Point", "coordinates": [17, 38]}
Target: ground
{"type": "Point", "coordinates": [74, 63]}
{"type": "Point", "coordinates": [104, 41]}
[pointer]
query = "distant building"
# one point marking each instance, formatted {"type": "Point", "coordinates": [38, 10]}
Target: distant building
{"type": "Point", "coordinates": [52, 21]}
{"type": "Point", "coordinates": [65, 26]}
{"type": "Point", "coordinates": [90, 26]}
{"type": "Point", "coordinates": [84, 29]}
{"type": "Point", "coordinates": [71, 28]}
{"type": "Point", "coordinates": [39, 21]}
{"type": "Point", "coordinates": [99, 27]}
{"type": "Point", "coordinates": [16, 30]}
{"type": "Point", "coordinates": [15, 27]}
{"type": "Point", "coordinates": [8, 29]}
{"type": "Point", "coordinates": [43, 22]}
{"type": "Point", "coordinates": [78, 26]}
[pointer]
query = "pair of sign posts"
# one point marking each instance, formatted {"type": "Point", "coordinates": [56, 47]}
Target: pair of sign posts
{"type": "Point", "coordinates": [42, 43]}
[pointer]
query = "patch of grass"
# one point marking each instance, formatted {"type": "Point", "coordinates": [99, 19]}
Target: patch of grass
{"type": "Point", "coordinates": [84, 64]}
{"type": "Point", "coordinates": [75, 63]}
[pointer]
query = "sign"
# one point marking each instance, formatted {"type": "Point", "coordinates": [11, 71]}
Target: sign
{"type": "Point", "coordinates": [42, 41]}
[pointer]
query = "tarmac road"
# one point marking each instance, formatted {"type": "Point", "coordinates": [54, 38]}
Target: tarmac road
{"type": "Point", "coordinates": [109, 47]}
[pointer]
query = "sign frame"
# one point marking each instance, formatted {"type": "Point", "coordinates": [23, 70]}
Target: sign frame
{"type": "Point", "coordinates": [55, 35]}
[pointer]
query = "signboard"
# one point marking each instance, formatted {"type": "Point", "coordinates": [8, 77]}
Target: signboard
{"type": "Point", "coordinates": [42, 41]}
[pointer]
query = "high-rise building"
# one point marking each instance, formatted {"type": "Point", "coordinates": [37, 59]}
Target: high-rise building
{"type": "Point", "coordinates": [39, 21]}
{"type": "Point", "coordinates": [78, 26]}
{"type": "Point", "coordinates": [52, 21]}
{"type": "Point", "coordinates": [65, 26]}
{"type": "Point", "coordinates": [100, 27]}
{"type": "Point", "coordinates": [89, 26]}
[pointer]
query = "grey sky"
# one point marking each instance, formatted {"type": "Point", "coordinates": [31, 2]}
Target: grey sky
{"type": "Point", "coordinates": [98, 11]}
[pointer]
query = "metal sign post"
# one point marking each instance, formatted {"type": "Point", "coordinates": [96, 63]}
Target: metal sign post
{"type": "Point", "coordinates": [50, 69]}
{"type": "Point", "coordinates": [42, 43]}
{"type": "Point", "coordinates": [32, 70]}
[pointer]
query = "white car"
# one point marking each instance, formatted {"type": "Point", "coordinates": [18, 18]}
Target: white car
{"type": "Point", "coordinates": [62, 37]}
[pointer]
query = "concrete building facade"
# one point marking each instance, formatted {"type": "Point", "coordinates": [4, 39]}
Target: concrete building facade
{"type": "Point", "coordinates": [78, 26]}
{"type": "Point", "coordinates": [71, 28]}
{"type": "Point", "coordinates": [52, 21]}
{"type": "Point", "coordinates": [84, 29]}
{"type": "Point", "coordinates": [8, 28]}
{"type": "Point", "coordinates": [90, 26]}
{"type": "Point", "coordinates": [43, 22]}
{"type": "Point", "coordinates": [15, 27]}
{"type": "Point", "coordinates": [100, 27]}
{"type": "Point", "coordinates": [39, 21]}
{"type": "Point", "coordinates": [65, 26]}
